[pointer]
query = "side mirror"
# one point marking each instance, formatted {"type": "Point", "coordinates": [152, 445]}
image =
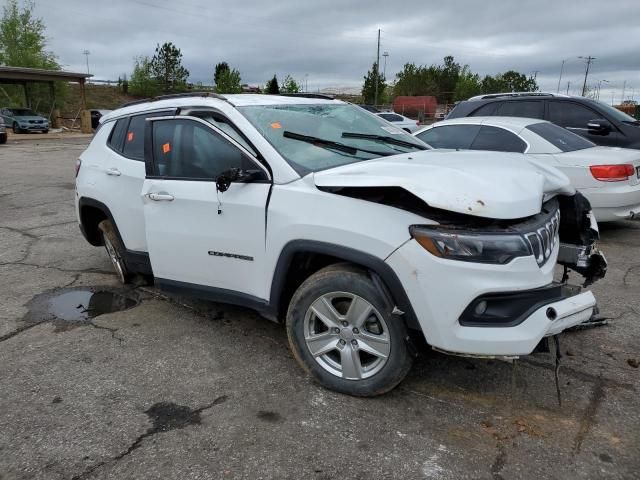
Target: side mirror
{"type": "Point", "coordinates": [224, 180]}
{"type": "Point", "coordinates": [599, 126]}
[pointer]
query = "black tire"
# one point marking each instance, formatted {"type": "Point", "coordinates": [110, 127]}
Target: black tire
{"type": "Point", "coordinates": [3, 138]}
{"type": "Point", "coordinates": [45, 131]}
{"type": "Point", "coordinates": [16, 128]}
{"type": "Point", "coordinates": [115, 250]}
{"type": "Point", "coordinates": [348, 279]}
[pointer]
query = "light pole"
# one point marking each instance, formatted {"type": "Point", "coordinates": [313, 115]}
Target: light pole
{"type": "Point", "coordinates": [87, 53]}
{"type": "Point", "coordinates": [561, 71]}
{"type": "Point", "coordinates": [600, 82]}
{"type": "Point", "coordinates": [306, 83]}
{"type": "Point", "coordinates": [384, 70]}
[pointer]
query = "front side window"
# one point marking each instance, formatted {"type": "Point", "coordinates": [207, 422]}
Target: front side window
{"type": "Point", "coordinates": [450, 136]}
{"type": "Point", "coordinates": [560, 138]}
{"type": "Point", "coordinates": [315, 136]}
{"type": "Point", "coordinates": [568, 114]}
{"type": "Point", "coordinates": [498, 139]}
{"type": "Point", "coordinates": [188, 149]}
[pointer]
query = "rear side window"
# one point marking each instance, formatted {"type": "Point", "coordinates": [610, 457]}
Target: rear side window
{"type": "Point", "coordinates": [116, 139]}
{"type": "Point", "coordinates": [390, 117]}
{"type": "Point", "coordinates": [528, 109]}
{"type": "Point", "coordinates": [486, 110]}
{"type": "Point", "coordinates": [190, 150]}
{"type": "Point", "coordinates": [560, 138]}
{"type": "Point", "coordinates": [498, 139]}
{"type": "Point", "coordinates": [569, 114]}
{"type": "Point", "coordinates": [450, 136]}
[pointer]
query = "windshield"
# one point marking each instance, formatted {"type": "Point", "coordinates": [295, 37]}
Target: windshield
{"type": "Point", "coordinates": [23, 112]}
{"type": "Point", "coordinates": [329, 131]}
{"type": "Point", "coordinates": [559, 137]}
{"type": "Point", "coordinates": [615, 113]}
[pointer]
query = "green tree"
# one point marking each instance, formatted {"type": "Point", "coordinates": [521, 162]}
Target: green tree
{"type": "Point", "coordinates": [22, 38]}
{"type": "Point", "coordinates": [219, 69]}
{"type": "Point", "coordinates": [272, 86]}
{"type": "Point", "coordinates": [289, 85]}
{"type": "Point", "coordinates": [166, 68]}
{"type": "Point", "coordinates": [510, 81]}
{"type": "Point", "coordinates": [372, 78]}
{"type": "Point", "coordinates": [416, 80]}
{"type": "Point", "coordinates": [229, 81]}
{"type": "Point", "coordinates": [468, 85]}
{"type": "Point", "coordinates": [447, 79]}
{"type": "Point", "coordinates": [142, 82]}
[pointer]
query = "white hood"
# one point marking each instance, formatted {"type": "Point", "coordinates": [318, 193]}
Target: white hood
{"type": "Point", "coordinates": [484, 184]}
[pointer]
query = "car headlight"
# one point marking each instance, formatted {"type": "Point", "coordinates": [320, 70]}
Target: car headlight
{"type": "Point", "coordinates": [470, 246]}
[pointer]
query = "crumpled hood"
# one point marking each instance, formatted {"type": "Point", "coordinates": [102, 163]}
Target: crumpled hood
{"type": "Point", "coordinates": [485, 184]}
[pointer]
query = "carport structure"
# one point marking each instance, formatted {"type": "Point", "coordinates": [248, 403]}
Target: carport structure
{"type": "Point", "coordinates": [26, 76]}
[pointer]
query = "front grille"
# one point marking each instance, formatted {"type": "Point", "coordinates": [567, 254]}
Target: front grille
{"type": "Point", "coordinates": [544, 239]}
{"type": "Point", "coordinates": [35, 121]}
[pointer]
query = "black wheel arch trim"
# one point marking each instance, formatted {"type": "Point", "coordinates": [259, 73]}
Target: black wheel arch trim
{"type": "Point", "coordinates": [374, 264]}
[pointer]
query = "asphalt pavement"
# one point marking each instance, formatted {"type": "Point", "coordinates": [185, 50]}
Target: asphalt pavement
{"type": "Point", "coordinates": [98, 381]}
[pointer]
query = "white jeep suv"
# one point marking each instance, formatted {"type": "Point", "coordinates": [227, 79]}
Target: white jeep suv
{"type": "Point", "coordinates": [319, 213]}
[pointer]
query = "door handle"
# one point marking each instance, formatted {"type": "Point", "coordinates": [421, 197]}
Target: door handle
{"type": "Point", "coordinates": [113, 171]}
{"type": "Point", "coordinates": [160, 197]}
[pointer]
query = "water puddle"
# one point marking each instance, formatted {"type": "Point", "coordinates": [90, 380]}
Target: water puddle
{"type": "Point", "coordinates": [77, 305]}
{"type": "Point", "coordinates": [82, 305]}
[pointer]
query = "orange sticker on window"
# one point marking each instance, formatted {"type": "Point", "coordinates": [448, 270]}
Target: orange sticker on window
{"type": "Point", "coordinates": [276, 125]}
{"type": "Point", "coordinates": [130, 137]}
{"type": "Point", "coordinates": [166, 148]}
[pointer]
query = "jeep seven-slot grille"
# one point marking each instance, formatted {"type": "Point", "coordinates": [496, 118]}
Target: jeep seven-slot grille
{"type": "Point", "coordinates": [544, 239]}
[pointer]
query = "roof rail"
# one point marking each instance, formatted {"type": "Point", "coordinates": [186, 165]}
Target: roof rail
{"type": "Point", "coordinates": [309, 95]}
{"type": "Point", "coordinates": [174, 95]}
{"type": "Point", "coordinates": [516, 94]}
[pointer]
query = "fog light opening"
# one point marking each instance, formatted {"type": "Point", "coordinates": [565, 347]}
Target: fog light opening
{"type": "Point", "coordinates": [551, 313]}
{"type": "Point", "coordinates": [481, 307]}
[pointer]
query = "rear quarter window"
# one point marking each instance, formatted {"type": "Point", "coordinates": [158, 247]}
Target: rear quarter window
{"type": "Point", "coordinates": [116, 139]}
{"type": "Point", "coordinates": [562, 139]}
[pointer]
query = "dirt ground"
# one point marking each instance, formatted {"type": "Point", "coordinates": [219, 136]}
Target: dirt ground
{"type": "Point", "coordinates": [172, 388]}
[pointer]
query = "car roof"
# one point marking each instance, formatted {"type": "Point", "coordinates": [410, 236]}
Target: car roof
{"type": "Point", "coordinates": [514, 123]}
{"type": "Point", "coordinates": [203, 100]}
{"type": "Point", "coordinates": [517, 95]}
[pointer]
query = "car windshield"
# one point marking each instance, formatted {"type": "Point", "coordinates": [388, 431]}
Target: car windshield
{"type": "Point", "coordinates": [318, 136]}
{"type": "Point", "coordinates": [23, 112]}
{"type": "Point", "coordinates": [615, 113]}
{"type": "Point", "coordinates": [559, 137]}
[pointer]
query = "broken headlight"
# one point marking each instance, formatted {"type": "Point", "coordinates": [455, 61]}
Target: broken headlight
{"type": "Point", "coordinates": [470, 246]}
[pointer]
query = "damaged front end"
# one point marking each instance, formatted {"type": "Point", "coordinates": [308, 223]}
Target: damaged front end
{"type": "Point", "coordinates": [578, 236]}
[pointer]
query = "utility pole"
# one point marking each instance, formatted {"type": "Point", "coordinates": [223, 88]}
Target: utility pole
{"type": "Point", "coordinates": [624, 87]}
{"type": "Point", "coordinates": [375, 98]}
{"type": "Point", "coordinates": [560, 79]}
{"type": "Point", "coordinates": [589, 59]}
{"type": "Point", "coordinates": [568, 85]}
{"type": "Point", "coordinates": [87, 53]}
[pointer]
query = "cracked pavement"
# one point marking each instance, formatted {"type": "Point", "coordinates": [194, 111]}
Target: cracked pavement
{"type": "Point", "coordinates": [176, 388]}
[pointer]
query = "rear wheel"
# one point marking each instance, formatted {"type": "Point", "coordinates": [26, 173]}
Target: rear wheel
{"type": "Point", "coordinates": [115, 250]}
{"type": "Point", "coordinates": [343, 333]}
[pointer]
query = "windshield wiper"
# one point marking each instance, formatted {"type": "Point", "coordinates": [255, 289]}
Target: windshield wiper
{"type": "Point", "coordinates": [383, 138]}
{"type": "Point", "coordinates": [321, 142]}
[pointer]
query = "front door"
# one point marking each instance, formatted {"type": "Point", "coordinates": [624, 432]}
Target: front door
{"type": "Point", "coordinates": [575, 117]}
{"type": "Point", "coordinates": [199, 238]}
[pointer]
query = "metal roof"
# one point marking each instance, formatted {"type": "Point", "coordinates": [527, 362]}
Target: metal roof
{"type": "Point", "coordinates": [22, 75]}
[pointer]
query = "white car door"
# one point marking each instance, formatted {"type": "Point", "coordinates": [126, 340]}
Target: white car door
{"type": "Point", "coordinates": [198, 237]}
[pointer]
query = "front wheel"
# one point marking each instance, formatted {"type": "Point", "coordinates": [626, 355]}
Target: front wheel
{"type": "Point", "coordinates": [343, 333]}
{"type": "Point", "coordinates": [115, 250]}
{"type": "Point", "coordinates": [16, 128]}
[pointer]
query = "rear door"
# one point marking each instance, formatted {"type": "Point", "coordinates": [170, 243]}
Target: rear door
{"type": "Point", "coordinates": [200, 238]}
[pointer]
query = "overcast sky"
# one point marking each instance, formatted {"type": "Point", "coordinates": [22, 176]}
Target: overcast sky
{"type": "Point", "coordinates": [334, 41]}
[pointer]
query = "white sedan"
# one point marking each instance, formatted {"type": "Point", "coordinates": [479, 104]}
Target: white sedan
{"type": "Point", "coordinates": [608, 176]}
{"type": "Point", "coordinates": [400, 121]}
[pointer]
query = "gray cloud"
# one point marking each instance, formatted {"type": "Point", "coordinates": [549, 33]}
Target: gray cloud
{"type": "Point", "coordinates": [334, 41]}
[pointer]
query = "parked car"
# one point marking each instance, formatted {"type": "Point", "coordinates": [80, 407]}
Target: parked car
{"type": "Point", "coordinates": [596, 121]}
{"type": "Point", "coordinates": [400, 121]}
{"type": "Point", "coordinates": [309, 211]}
{"type": "Point", "coordinates": [608, 176]}
{"type": "Point", "coordinates": [96, 114]}
{"type": "Point", "coordinates": [3, 132]}
{"type": "Point", "coordinates": [24, 120]}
